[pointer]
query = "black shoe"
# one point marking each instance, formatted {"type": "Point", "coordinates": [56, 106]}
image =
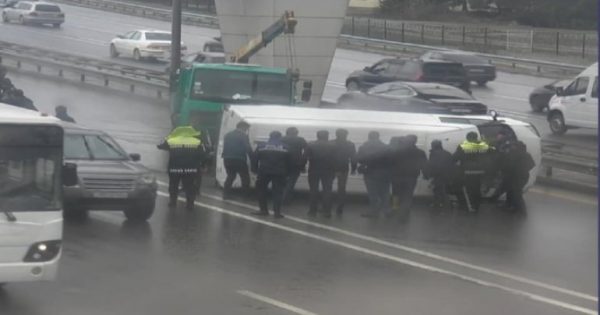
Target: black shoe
{"type": "Point", "coordinates": [278, 216]}
{"type": "Point", "coordinates": [260, 213]}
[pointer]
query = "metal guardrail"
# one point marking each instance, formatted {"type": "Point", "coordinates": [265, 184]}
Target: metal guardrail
{"type": "Point", "coordinates": [538, 66]}
{"type": "Point", "coordinates": [82, 69]}
{"type": "Point", "coordinates": [105, 74]}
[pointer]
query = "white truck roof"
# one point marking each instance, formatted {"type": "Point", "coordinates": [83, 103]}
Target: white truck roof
{"type": "Point", "coordinates": [13, 114]}
{"type": "Point", "coordinates": [306, 116]}
{"type": "Point", "coordinates": [591, 70]}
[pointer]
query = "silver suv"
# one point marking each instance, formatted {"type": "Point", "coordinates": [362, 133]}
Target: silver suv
{"type": "Point", "coordinates": [109, 179]}
{"type": "Point", "coordinates": [30, 12]}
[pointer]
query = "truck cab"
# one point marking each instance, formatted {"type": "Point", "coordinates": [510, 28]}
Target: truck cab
{"type": "Point", "coordinates": [204, 90]}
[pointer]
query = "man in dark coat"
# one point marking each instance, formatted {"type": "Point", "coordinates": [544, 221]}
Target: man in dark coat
{"type": "Point", "coordinates": [236, 150]}
{"type": "Point", "coordinates": [440, 169]}
{"type": "Point", "coordinates": [272, 163]}
{"type": "Point", "coordinates": [517, 175]}
{"type": "Point", "coordinates": [408, 163]}
{"type": "Point", "coordinates": [375, 165]}
{"type": "Point", "coordinates": [296, 146]}
{"type": "Point", "coordinates": [321, 170]}
{"type": "Point", "coordinates": [61, 113]}
{"type": "Point", "coordinates": [345, 162]}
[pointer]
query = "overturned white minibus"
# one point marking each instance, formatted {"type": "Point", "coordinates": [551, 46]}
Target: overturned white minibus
{"type": "Point", "coordinates": [451, 130]}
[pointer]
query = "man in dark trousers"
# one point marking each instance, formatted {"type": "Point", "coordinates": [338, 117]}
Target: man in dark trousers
{"type": "Point", "coordinates": [17, 98]}
{"type": "Point", "coordinates": [517, 175]}
{"type": "Point", "coordinates": [345, 162]}
{"type": "Point", "coordinates": [236, 150]}
{"type": "Point", "coordinates": [296, 146]}
{"type": "Point", "coordinates": [272, 163]}
{"type": "Point", "coordinates": [374, 157]}
{"type": "Point", "coordinates": [186, 156]}
{"type": "Point", "coordinates": [440, 169]}
{"type": "Point", "coordinates": [472, 157]}
{"type": "Point", "coordinates": [61, 113]}
{"type": "Point", "coordinates": [408, 163]}
{"type": "Point", "coordinates": [321, 170]}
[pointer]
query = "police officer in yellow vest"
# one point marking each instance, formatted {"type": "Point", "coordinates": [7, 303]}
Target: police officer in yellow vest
{"type": "Point", "coordinates": [186, 156]}
{"type": "Point", "coordinates": [472, 157]}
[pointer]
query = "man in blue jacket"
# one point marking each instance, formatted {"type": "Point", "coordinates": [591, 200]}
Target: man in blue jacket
{"type": "Point", "coordinates": [272, 164]}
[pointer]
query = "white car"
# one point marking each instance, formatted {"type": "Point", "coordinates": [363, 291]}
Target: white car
{"type": "Point", "coordinates": [34, 12]}
{"type": "Point", "coordinates": [143, 44]}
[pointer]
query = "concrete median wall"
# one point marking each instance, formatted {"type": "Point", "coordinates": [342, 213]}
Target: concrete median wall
{"type": "Point", "coordinates": [312, 47]}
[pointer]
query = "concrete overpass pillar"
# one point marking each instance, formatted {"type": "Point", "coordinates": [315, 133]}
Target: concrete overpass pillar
{"type": "Point", "coordinates": [313, 46]}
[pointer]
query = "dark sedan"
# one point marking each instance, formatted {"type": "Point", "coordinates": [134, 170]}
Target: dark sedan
{"type": "Point", "coordinates": [409, 70]}
{"type": "Point", "coordinates": [540, 97]}
{"type": "Point", "coordinates": [413, 97]}
{"type": "Point", "coordinates": [478, 69]}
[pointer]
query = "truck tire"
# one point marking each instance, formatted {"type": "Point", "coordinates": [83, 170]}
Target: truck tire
{"type": "Point", "coordinates": [557, 123]}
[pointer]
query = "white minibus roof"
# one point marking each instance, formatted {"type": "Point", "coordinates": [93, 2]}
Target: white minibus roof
{"type": "Point", "coordinates": [14, 114]}
{"type": "Point", "coordinates": [275, 114]}
{"type": "Point", "coordinates": [590, 71]}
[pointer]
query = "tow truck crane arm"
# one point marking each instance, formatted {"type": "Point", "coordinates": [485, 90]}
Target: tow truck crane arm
{"type": "Point", "coordinates": [284, 25]}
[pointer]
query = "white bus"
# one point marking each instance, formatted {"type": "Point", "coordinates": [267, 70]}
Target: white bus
{"type": "Point", "coordinates": [450, 129]}
{"type": "Point", "coordinates": [31, 179]}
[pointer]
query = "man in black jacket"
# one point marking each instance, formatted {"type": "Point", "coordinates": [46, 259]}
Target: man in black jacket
{"type": "Point", "coordinates": [345, 161]}
{"type": "Point", "coordinates": [441, 169]}
{"type": "Point", "coordinates": [296, 146]}
{"type": "Point", "coordinates": [61, 113]}
{"type": "Point", "coordinates": [272, 164]}
{"type": "Point", "coordinates": [321, 170]}
{"type": "Point", "coordinates": [236, 149]}
{"type": "Point", "coordinates": [517, 175]}
{"type": "Point", "coordinates": [409, 161]}
{"type": "Point", "coordinates": [186, 156]}
{"type": "Point", "coordinates": [374, 157]}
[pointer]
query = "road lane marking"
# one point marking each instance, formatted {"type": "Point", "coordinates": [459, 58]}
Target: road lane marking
{"type": "Point", "coordinates": [403, 261]}
{"type": "Point", "coordinates": [413, 250]}
{"type": "Point", "coordinates": [274, 302]}
{"type": "Point", "coordinates": [574, 198]}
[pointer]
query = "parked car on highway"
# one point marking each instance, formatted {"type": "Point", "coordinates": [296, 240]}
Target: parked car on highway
{"type": "Point", "coordinates": [7, 3]}
{"type": "Point", "coordinates": [213, 46]}
{"type": "Point", "coordinates": [540, 97]}
{"type": "Point", "coordinates": [478, 69]}
{"type": "Point", "coordinates": [143, 44]}
{"type": "Point", "coordinates": [413, 97]}
{"type": "Point", "coordinates": [200, 57]}
{"type": "Point", "coordinates": [109, 178]}
{"type": "Point", "coordinates": [412, 70]}
{"type": "Point", "coordinates": [34, 12]}
{"type": "Point", "coordinates": [576, 106]}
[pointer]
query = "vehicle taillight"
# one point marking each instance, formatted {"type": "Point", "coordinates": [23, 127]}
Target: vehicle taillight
{"type": "Point", "coordinates": [33, 14]}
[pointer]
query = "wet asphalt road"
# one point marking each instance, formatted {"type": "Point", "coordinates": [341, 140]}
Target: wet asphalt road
{"type": "Point", "coordinates": [541, 262]}
{"type": "Point", "coordinates": [87, 32]}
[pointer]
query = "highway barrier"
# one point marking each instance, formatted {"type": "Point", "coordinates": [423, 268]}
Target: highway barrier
{"type": "Point", "coordinates": [136, 80]}
{"type": "Point", "coordinates": [349, 40]}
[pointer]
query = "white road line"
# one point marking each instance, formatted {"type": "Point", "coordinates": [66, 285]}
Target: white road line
{"type": "Point", "coordinates": [418, 252]}
{"type": "Point", "coordinates": [274, 302]}
{"type": "Point", "coordinates": [366, 251]}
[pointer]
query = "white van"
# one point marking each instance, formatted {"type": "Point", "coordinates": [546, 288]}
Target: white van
{"type": "Point", "coordinates": [451, 130]}
{"type": "Point", "coordinates": [576, 106]}
{"type": "Point", "coordinates": [31, 178]}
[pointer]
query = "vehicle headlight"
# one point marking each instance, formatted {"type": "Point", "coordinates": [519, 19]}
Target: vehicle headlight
{"type": "Point", "coordinates": [147, 179]}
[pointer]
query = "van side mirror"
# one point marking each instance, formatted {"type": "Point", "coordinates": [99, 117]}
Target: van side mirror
{"type": "Point", "coordinates": [136, 157]}
{"type": "Point", "coordinates": [560, 91]}
{"type": "Point", "coordinates": [69, 174]}
{"type": "Point", "coordinates": [306, 91]}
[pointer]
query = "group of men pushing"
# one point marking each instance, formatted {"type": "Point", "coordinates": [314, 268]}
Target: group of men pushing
{"type": "Point", "coordinates": [390, 171]}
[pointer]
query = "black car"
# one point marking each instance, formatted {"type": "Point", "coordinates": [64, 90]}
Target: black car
{"type": "Point", "coordinates": [478, 69]}
{"type": "Point", "coordinates": [540, 97]}
{"type": "Point", "coordinates": [413, 97]}
{"type": "Point", "coordinates": [409, 70]}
